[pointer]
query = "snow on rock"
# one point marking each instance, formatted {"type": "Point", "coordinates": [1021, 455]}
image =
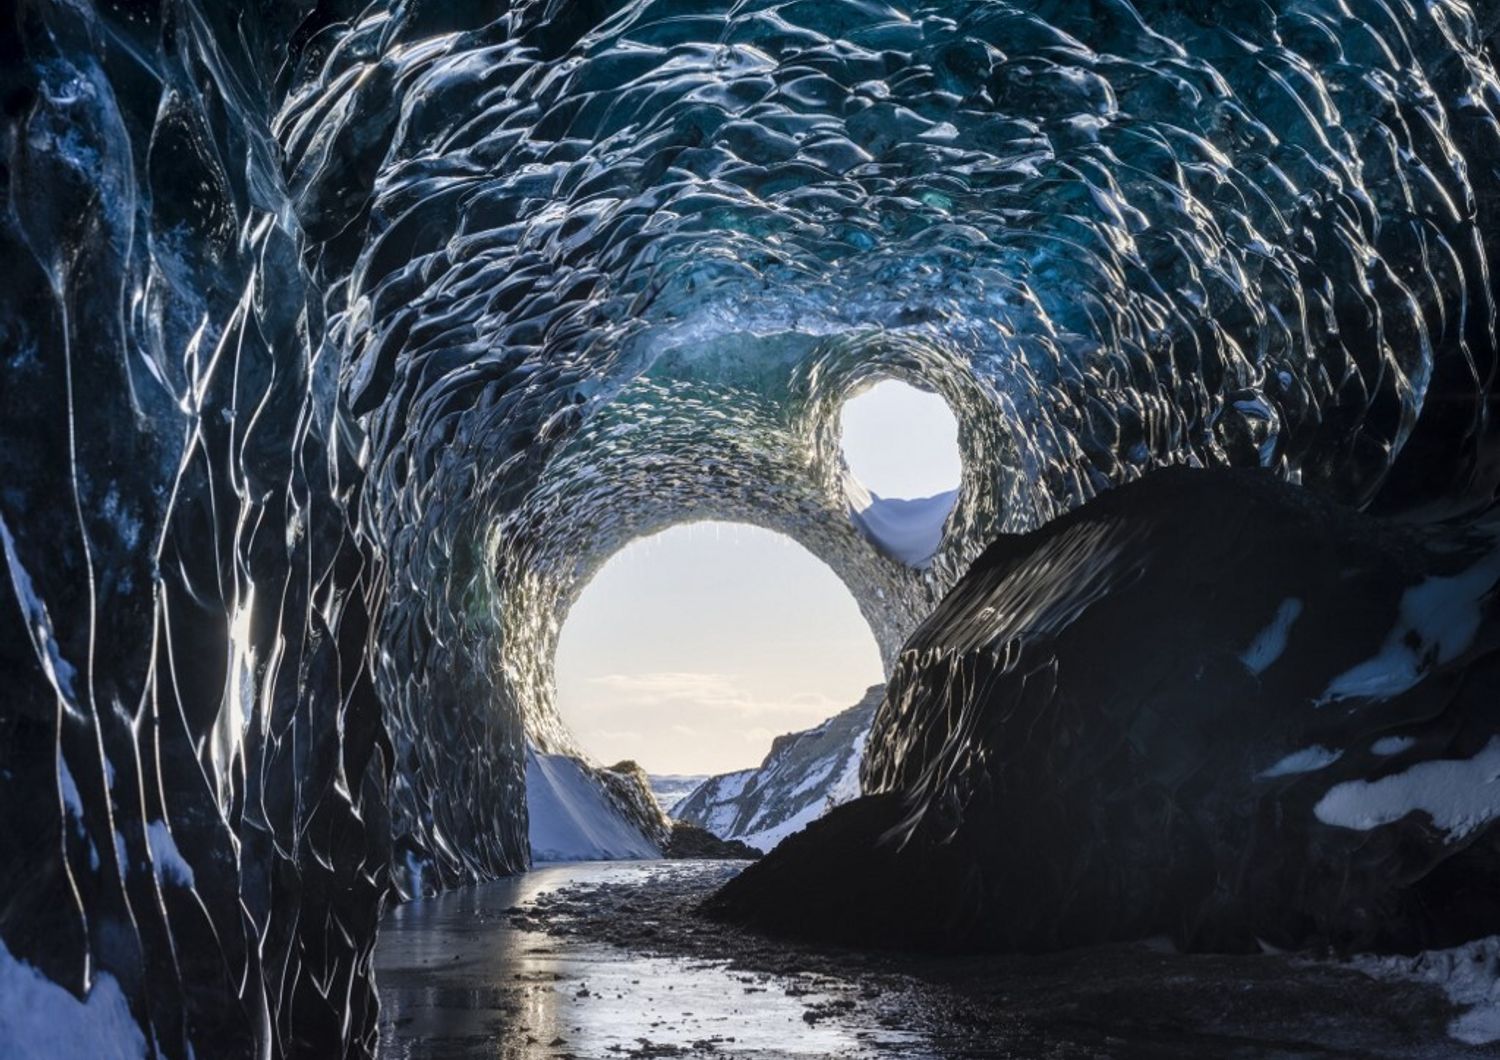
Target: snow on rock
{"type": "Point", "coordinates": [1438, 620]}
{"type": "Point", "coordinates": [1468, 974]}
{"type": "Point", "coordinates": [1306, 760]}
{"type": "Point", "coordinates": [805, 775]}
{"type": "Point", "coordinates": [1459, 796]}
{"type": "Point", "coordinates": [40, 1020]}
{"type": "Point", "coordinates": [1270, 642]}
{"type": "Point", "coordinates": [1078, 708]}
{"type": "Point", "coordinates": [572, 816]}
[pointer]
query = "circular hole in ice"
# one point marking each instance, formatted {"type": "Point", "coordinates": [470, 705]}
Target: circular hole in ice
{"type": "Point", "coordinates": [692, 649]}
{"type": "Point", "coordinates": [900, 445]}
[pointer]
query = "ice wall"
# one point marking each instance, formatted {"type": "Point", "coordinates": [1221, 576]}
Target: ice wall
{"type": "Point", "coordinates": [341, 344]}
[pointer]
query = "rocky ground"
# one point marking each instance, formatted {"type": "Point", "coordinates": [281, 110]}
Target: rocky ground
{"type": "Point", "coordinates": [690, 841]}
{"type": "Point", "coordinates": [1120, 1002]}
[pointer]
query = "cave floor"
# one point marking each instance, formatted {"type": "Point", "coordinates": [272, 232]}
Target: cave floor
{"type": "Point", "coordinates": [607, 959]}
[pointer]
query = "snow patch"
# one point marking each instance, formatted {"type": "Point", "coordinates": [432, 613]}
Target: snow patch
{"type": "Point", "coordinates": [1393, 745]}
{"type": "Point", "coordinates": [1307, 760]}
{"type": "Point", "coordinates": [846, 788]}
{"type": "Point", "coordinates": [572, 819]}
{"type": "Point", "coordinates": [1459, 795]}
{"type": "Point", "coordinates": [69, 789]}
{"type": "Point", "coordinates": [767, 839]}
{"type": "Point", "coordinates": [1270, 642]}
{"type": "Point", "coordinates": [59, 671]}
{"type": "Point", "coordinates": [1468, 974]}
{"type": "Point", "coordinates": [1438, 620]}
{"type": "Point", "coordinates": [907, 530]}
{"type": "Point", "coordinates": [40, 1020]}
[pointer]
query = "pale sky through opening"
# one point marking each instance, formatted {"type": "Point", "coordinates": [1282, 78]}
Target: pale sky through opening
{"type": "Point", "coordinates": [693, 648]}
{"type": "Point", "coordinates": [900, 441]}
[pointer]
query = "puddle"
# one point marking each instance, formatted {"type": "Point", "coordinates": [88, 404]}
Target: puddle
{"type": "Point", "coordinates": [458, 979]}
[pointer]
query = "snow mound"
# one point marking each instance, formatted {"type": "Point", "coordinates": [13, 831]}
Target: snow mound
{"type": "Point", "coordinates": [907, 530]}
{"type": "Point", "coordinates": [1468, 974]}
{"type": "Point", "coordinates": [573, 819]}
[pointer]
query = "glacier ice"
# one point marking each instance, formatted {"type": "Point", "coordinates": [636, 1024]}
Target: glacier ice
{"type": "Point", "coordinates": [342, 342]}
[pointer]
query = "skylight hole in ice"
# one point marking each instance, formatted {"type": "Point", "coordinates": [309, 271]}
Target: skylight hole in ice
{"type": "Point", "coordinates": [693, 648]}
{"type": "Point", "coordinates": [903, 467]}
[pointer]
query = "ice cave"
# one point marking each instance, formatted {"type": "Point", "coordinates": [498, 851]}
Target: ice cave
{"type": "Point", "coordinates": [342, 343]}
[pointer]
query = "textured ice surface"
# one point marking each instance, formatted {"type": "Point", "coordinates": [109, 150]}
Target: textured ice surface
{"type": "Point", "coordinates": [340, 343]}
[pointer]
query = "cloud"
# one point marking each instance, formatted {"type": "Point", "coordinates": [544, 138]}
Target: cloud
{"type": "Point", "coordinates": [720, 693]}
{"type": "Point", "coordinates": [675, 685]}
{"type": "Point", "coordinates": [686, 721]}
{"type": "Point", "coordinates": [616, 735]}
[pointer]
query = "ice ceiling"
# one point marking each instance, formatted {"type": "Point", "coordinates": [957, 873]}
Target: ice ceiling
{"type": "Point", "coordinates": [341, 344]}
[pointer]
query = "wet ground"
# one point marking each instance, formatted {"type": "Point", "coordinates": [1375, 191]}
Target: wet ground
{"type": "Point", "coordinates": [604, 960]}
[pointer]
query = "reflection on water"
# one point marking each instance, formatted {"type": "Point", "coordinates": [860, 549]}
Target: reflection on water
{"type": "Point", "coordinates": [458, 980]}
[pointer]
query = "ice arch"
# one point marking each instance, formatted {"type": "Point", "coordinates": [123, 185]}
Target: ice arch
{"type": "Point", "coordinates": [341, 342]}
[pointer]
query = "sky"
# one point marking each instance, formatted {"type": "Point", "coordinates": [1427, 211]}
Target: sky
{"type": "Point", "coordinates": [900, 441]}
{"type": "Point", "coordinates": [693, 648]}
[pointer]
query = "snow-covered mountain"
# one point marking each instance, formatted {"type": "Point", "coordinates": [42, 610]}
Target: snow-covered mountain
{"type": "Point", "coordinates": [805, 775]}
{"type": "Point", "coordinates": [672, 788]}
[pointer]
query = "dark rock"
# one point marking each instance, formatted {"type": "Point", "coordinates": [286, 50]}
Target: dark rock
{"type": "Point", "coordinates": [690, 841]}
{"type": "Point", "coordinates": [1207, 704]}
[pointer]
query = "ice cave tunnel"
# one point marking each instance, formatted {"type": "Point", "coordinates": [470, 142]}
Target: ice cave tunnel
{"type": "Point", "coordinates": [340, 343]}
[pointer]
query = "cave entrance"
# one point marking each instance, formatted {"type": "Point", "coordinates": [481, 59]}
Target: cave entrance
{"type": "Point", "coordinates": [694, 650]}
{"type": "Point", "coordinates": [903, 467]}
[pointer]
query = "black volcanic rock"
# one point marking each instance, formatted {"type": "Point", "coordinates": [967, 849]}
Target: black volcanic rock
{"type": "Point", "coordinates": [1207, 704]}
{"type": "Point", "coordinates": [691, 841]}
